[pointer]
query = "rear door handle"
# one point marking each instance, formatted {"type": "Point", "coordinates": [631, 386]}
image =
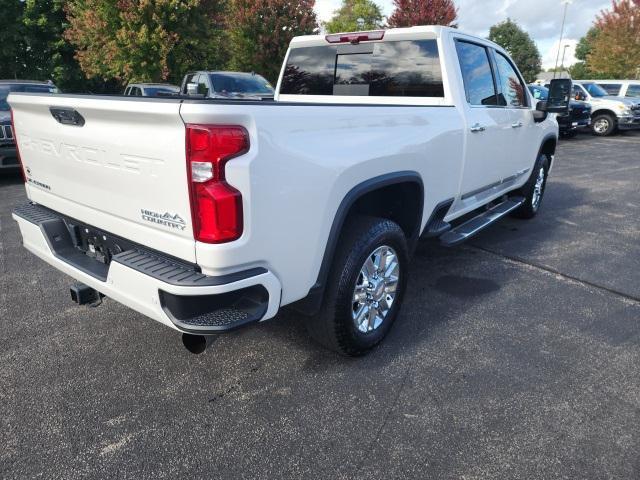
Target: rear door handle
{"type": "Point", "coordinates": [516, 125]}
{"type": "Point", "coordinates": [477, 128]}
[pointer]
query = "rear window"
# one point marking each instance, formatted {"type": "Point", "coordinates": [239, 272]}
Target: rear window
{"type": "Point", "coordinates": [388, 69]}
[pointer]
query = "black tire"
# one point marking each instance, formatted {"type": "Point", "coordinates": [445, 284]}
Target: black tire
{"type": "Point", "coordinates": [334, 326]}
{"type": "Point", "coordinates": [603, 124]}
{"type": "Point", "coordinates": [530, 207]}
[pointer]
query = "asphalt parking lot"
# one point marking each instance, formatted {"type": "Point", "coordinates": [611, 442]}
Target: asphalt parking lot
{"type": "Point", "coordinates": [516, 355]}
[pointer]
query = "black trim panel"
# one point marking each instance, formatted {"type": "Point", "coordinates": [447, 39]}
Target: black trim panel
{"type": "Point", "coordinates": [218, 313]}
{"type": "Point", "coordinates": [168, 270]}
{"type": "Point", "coordinates": [436, 225]}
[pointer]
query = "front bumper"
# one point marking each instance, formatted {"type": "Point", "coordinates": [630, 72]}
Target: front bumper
{"type": "Point", "coordinates": [165, 289]}
{"type": "Point", "coordinates": [8, 157]}
{"type": "Point", "coordinates": [629, 122]}
{"type": "Point", "coordinates": [574, 121]}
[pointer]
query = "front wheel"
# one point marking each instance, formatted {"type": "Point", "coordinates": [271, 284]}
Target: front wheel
{"type": "Point", "coordinates": [533, 190]}
{"type": "Point", "coordinates": [364, 289]}
{"type": "Point", "coordinates": [603, 125]}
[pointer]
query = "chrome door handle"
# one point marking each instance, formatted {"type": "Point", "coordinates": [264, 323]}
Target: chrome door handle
{"type": "Point", "coordinates": [516, 125]}
{"type": "Point", "coordinates": [477, 128]}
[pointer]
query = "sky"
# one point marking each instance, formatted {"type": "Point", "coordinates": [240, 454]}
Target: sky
{"type": "Point", "coordinates": [540, 18]}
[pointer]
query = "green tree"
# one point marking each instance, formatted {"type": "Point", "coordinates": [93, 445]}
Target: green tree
{"type": "Point", "coordinates": [615, 49]}
{"type": "Point", "coordinates": [581, 70]}
{"type": "Point", "coordinates": [585, 44]}
{"type": "Point", "coordinates": [260, 32]}
{"type": "Point", "coordinates": [145, 40]}
{"type": "Point", "coordinates": [12, 48]}
{"type": "Point", "coordinates": [518, 43]}
{"type": "Point", "coordinates": [345, 19]}
{"type": "Point", "coordinates": [48, 55]}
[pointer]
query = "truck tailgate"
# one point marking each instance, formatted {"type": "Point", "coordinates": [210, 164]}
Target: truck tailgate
{"type": "Point", "coordinates": [112, 162]}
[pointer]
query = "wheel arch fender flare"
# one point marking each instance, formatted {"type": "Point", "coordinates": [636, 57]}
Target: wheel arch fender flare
{"type": "Point", "coordinates": [604, 111]}
{"type": "Point", "coordinates": [548, 147]}
{"type": "Point", "coordinates": [312, 302]}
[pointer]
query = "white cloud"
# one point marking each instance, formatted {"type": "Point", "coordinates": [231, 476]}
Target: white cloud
{"type": "Point", "coordinates": [550, 53]}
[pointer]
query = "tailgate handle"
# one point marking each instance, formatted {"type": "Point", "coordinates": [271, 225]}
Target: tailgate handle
{"type": "Point", "coordinates": [67, 116]}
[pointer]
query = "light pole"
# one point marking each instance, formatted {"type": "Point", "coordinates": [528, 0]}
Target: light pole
{"type": "Point", "coordinates": [564, 16]}
{"type": "Point", "coordinates": [564, 51]}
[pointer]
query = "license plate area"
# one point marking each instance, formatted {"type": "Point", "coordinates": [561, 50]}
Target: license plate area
{"type": "Point", "coordinates": [96, 244]}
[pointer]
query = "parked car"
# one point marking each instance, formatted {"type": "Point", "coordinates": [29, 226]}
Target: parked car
{"type": "Point", "coordinates": [620, 88]}
{"type": "Point", "coordinates": [213, 214]}
{"type": "Point", "coordinates": [8, 154]}
{"type": "Point", "coordinates": [227, 85]}
{"type": "Point", "coordinates": [579, 112]}
{"type": "Point", "coordinates": [151, 89]}
{"type": "Point", "coordinates": [608, 113]}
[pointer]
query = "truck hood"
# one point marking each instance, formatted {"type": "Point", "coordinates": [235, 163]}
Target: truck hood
{"type": "Point", "coordinates": [612, 101]}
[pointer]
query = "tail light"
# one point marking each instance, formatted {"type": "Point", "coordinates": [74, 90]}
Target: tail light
{"type": "Point", "coordinates": [216, 207]}
{"type": "Point", "coordinates": [15, 140]}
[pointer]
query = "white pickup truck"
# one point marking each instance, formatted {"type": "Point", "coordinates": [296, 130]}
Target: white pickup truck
{"type": "Point", "coordinates": [209, 214]}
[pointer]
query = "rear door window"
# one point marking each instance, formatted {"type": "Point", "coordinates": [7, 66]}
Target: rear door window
{"type": "Point", "coordinates": [385, 69]}
{"type": "Point", "coordinates": [477, 75]}
{"type": "Point", "coordinates": [611, 88]}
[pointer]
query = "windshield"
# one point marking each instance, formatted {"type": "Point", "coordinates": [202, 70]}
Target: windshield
{"type": "Point", "coordinates": [155, 91]}
{"type": "Point", "coordinates": [595, 90]}
{"type": "Point", "coordinates": [7, 88]}
{"type": "Point", "coordinates": [538, 92]}
{"type": "Point", "coordinates": [242, 83]}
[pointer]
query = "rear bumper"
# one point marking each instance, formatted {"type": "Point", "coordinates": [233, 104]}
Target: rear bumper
{"type": "Point", "coordinates": [8, 157]}
{"type": "Point", "coordinates": [160, 287]}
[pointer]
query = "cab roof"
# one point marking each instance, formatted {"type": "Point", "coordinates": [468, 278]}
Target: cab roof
{"type": "Point", "coordinates": [410, 33]}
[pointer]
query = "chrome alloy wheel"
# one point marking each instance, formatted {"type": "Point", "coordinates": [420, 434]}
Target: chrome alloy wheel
{"type": "Point", "coordinates": [537, 190]}
{"type": "Point", "coordinates": [375, 289]}
{"type": "Point", "coordinates": [601, 125]}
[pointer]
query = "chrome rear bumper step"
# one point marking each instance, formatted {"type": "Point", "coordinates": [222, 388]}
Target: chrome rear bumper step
{"type": "Point", "coordinates": [469, 228]}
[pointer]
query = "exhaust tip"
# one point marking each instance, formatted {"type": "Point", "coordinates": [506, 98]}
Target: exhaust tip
{"type": "Point", "coordinates": [196, 344]}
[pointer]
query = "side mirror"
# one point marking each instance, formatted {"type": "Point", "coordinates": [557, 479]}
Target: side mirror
{"type": "Point", "coordinates": [559, 96]}
{"type": "Point", "coordinates": [540, 113]}
{"type": "Point", "coordinates": [192, 89]}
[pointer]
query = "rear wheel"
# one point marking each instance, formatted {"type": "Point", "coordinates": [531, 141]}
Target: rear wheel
{"type": "Point", "coordinates": [603, 124]}
{"type": "Point", "coordinates": [533, 190]}
{"type": "Point", "coordinates": [364, 289]}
